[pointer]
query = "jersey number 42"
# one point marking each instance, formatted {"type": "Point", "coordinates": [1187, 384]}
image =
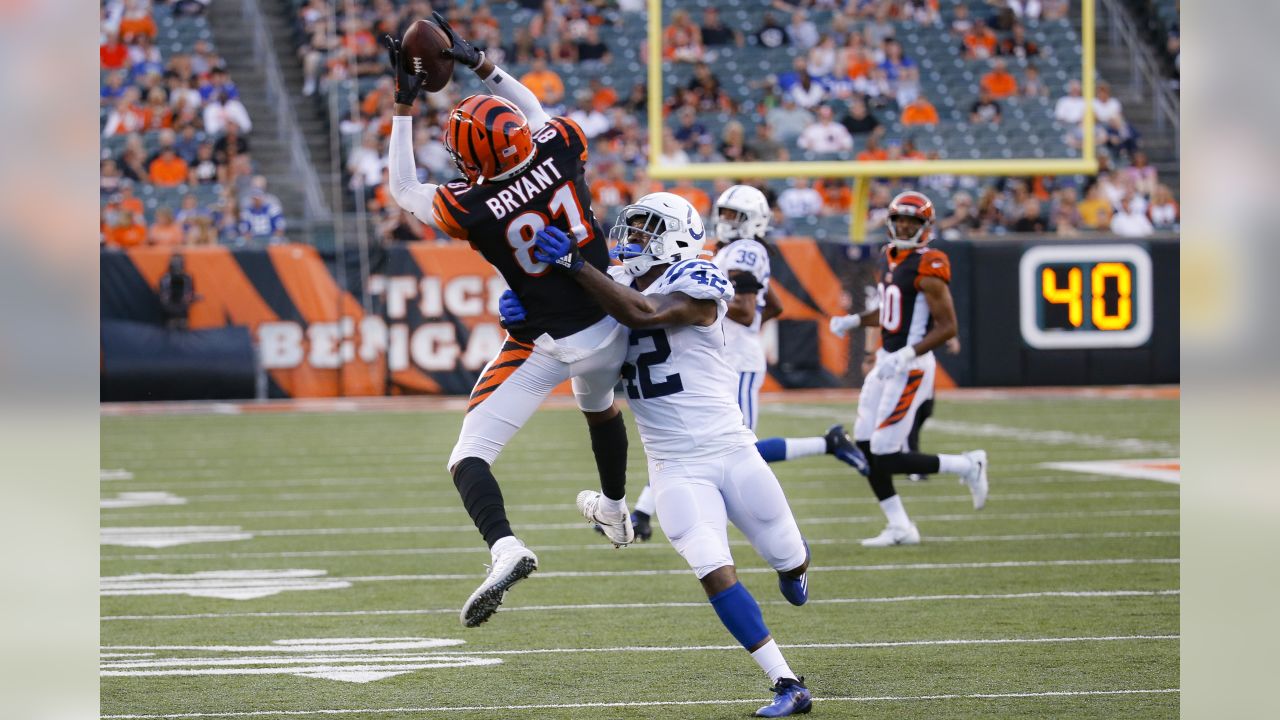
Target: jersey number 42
{"type": "Point", "coordinates": [639, 382]}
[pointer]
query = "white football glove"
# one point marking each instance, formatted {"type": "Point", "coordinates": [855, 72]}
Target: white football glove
{"type": "Point", "coordinates": [842, 324]}
{"type": "Point", "coordinates": [896, 363]}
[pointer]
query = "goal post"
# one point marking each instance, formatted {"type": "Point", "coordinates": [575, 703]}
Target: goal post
{"type": "Point", "coordinates": [861, 172]}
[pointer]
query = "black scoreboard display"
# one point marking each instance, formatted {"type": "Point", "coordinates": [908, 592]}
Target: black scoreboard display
{"type": "Point", "coordinates": [1085, 296]}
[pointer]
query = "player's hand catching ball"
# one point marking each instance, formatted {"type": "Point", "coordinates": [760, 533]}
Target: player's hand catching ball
{"type": "Point", "coordinates": [407, 86]}
{"type": "Point", "coordinates": [896, 363]}
{"type": "Point", "coordinates": [462, 51]}
{"type": "Point", "coordinates": [557, 248]}
{"type": "Point", "coordinates": [510, 311]}
{"type": "Point", "coordinates": [844, 323]}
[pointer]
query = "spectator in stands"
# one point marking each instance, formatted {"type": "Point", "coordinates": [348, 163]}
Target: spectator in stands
{"type": "Point", "coordinates": [985, 110]}
{"type": "Point", "coordinates": [126, 117]}
{"type": "Point", "coordinates": [165, 230]}
{"type": "Point", "coordinates": [879, 26]}
{"type": "Point", "coordinates": [706, 152]}
{"type": "Point", "coordinates": [260, 221]}
{"type": "Point", "coordinates": [806, 92]}
{"type": "Point", "coordinates": [876, 88]}
{"type": "Point", "coordinates": [128, 231]}
{"type": "Point", "coordinates": [800, 201]}
{"type": "Point", "coordinates": [715, 33]}
{"type": "Point", "coordinates": [826, 135]}
{"type": "Point", "coordinates": [399, 225]}
{"type": "Point", "coordinates": [1017, 45]}
{"type": "Point", "coordinates": [859, 120]}
{"type": "Point", "coordinates": [963, 219]}
{"type": "Point", "coordinates": [610, 193]}
{"type": "Point", "coordinates": [593, 122]}
{"type": "Point", "coordinates": [1030, 220]}
{"type": "Point", "coordinates": [544, 82]}
{"type": "Point", "coordinates": [429, 149]}
{"type": "Point", "coordinates": [1119, 137]}
{"type": "Point", "coordinates": [1164, 209]}
{"type": "Point", "coordinates": [1128, 221]}
{"type": "Point", "coordinates": [113, 54]}
{"type": "Point", "coordinates": [709, 94]}
{"type": "Point", "coordinates": [823, 57]}
{"type": "Point", "coordinates": [858, 60]}
{"type": "Point", "coordinates": [133, 159]}
{"type": "Point", "coordinates": [980, 41]}
{"type": "Point", "coordinates": [603, 97]}
{"type": "Point", "coordinates": [689, 130]}
{"type": "Point", "coordinates": [230, 146]}
{"type": "Point", "coordinates": [144, 58]}
{"type": "Point", "coordinates": [895, 61]}
{"type": "Point", "coordinates": [188, 211]}
{"type": "Point", "coordinates": [113, 88]}
{"type": "Point", "coordinates": [204, 59]}
{"type": "Point", "coordinates": [137, 20]}
{"type": "Point", "coordinates": [226, 220]}
{"type": "Point", "coordinates": [788, 119]}
{"type": "Point", "coordinates": [1025, 9]}
{"type": "Point", "coordinates": [673, 152]}
{"type": "Point", "coordinates": [168, 170]}
{"type": "Point", "coordinates": [592, 49]}
{"type": "Point", "coordinates": [910, 151]}
{"type": "Point", "coordinates": [109, 178]}
{"type": "Point", "coordinates": [1069, 109]}
{"type": "Point", "coordinates": [637, 101]}
{"type": "Point", "coordinates": [919, 112]}
{"type": "Point", "coordinates": [201, 231]}
{"type": "Point", "coordinates": [802, 32]}
{"type": "Point", "coordinates": [204, 171]}
{"type": "Point", "coordinates": [1106, 106]}
{"type": "Point", "coordinates": [961, 23]}
{"type": "Point", "coordinates": [365, 166]}
{"type": "Point", "coordinates": [771, 33]}
{"type": "Point", "coordinates": [218, 83]}
{"type": "Point", "coordinates": [733, 142]}
{"type": "Point", "coordinates": [223, 111]}
{"type": "Point", "coordinates": [999, 83]}
{"type": "Point", "coordinates": [873, 152]}
{"type": "Point", "coordinates": [694, 194]}
{"type": "Point", "coordinates": [908, 86]}
{"type": "Point", "coordinates": [682, 40]}
{"type": "Point", "coordinates": [764, 148]}
{"type": "Point", "coordinates": [1032, 86]}
{"type": "Point", "coordinates": [836, 196]}
{"type": "Point", "coordinates": [1066, 213]}
{"type": "Point", "coordinates": [1095, 209]}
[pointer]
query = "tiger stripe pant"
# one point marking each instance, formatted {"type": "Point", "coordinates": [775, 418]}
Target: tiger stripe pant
{"type": "Point", "coordinates": [887, 406]}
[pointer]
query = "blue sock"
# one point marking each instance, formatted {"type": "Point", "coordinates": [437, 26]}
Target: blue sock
{"type": "Point", "coordinates": [772, 449]}
{"type": "Point", "coordinates": [741, 615]}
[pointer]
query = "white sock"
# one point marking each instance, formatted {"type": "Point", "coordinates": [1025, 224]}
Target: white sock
{"type": "Point", "coordinates": [959, 464]}
{"type": "Point", "coordinates": [893, 510]}
{"type": "Point", "coordinates": [504, 543]}
{"type": "Point", "coordinates": [804, 447]}
{"type": "Point", "coordinates": [647, 503]}
{"type": "Point", "coordinates": [613, 507]}
{"type": "Point", "coordinates": [769, 658]}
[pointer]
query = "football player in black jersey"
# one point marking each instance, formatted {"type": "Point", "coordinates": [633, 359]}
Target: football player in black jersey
{"type": "Point", "coordinates": [522, 171]}
{"type": "Point", "coordinates": [915, 316]}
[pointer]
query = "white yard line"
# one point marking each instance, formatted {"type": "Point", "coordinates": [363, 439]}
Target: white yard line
{"type": "Point", "coordinates": [478, 549]}
{"type": "Point", "coordinates": [1068, 594]}
{"type": "Point", "coordinates": [656, 703]}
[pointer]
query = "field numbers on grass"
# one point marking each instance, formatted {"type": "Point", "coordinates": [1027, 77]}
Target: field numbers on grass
{"type": "Point", "coordinates": [223, 584]}
{"type": "Point", "coordinates": [159, 537]}
{"type": "Point", "coordinates": [356, 660]}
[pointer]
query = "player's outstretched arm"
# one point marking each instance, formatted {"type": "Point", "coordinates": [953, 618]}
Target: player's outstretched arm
{"type": "Point", "coordinates": [842, 324]}
{"type": "Point", "coordinates": [498, 82]}
{"type": "Point", "coordinates": [405, 189]}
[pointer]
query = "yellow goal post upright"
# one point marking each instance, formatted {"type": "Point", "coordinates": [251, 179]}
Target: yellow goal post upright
{"type": "Point", "coordinates": [862, 172]}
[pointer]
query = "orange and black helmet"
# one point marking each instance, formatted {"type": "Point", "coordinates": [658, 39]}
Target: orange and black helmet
{"type": "Point", "coordinates": [488, 137]}
{"type": "Point", "coordinates": [913, 205]}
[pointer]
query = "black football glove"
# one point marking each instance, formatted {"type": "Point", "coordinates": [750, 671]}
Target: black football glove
{"type": "Point", "coordinates": [746, 283]}
{"type": "Point", "coordinates": [407, 86]}
{"type": "Point", "coordinates": [462, 51]}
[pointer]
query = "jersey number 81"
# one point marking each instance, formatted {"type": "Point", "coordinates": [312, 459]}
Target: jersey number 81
{"type": "Point", "coordinates": [522, 229]}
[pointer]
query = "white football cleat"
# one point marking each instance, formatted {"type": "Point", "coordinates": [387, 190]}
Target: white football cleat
{"type": "Point", "coordinates": [509, 567]}
{"type": "Point", "coordinates": [894, 535]}
{"type": "Point", "coordinates": [615, 527]}
{"type": "Point", "coordinates": [976, 478]}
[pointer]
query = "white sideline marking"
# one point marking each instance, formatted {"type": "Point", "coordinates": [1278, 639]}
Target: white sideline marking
{"type": "Point", "coordinates": [1072, 594]}
{"type": "Point", "coordinates": [140, 499]}
{"type": "Point", "coordinates": [225, 584]}
{"type": "Point", "coordinates": [160, 537]}
{"type": "Point", "coordinates": [805, 522]}
{"type": "Point", "coordinates": [1153, 469]}
{"type": "Point", "coordinates": [655, 703]}
{"type": "Point", "coordinates": [479, 549]}
{"type": "Point", "coordinates": [117, 474]}
{"type": "Point", "coordinates": [1047, 437]}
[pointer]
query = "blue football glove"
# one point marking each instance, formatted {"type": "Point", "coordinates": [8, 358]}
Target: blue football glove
{"type": "Point", "coordinates": [510, 311]}
{"type": "Point", "coordinates": [558, 249]}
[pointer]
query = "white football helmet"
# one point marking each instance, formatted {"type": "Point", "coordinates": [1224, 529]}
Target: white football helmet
{"type": "Point", "coordinates": [658, 229]}
{"type": "Point", "coordinates": [752, 214]}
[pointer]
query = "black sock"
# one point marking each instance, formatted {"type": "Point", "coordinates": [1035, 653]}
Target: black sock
{"type": "Point", "coordinates": [902, 463]}
{"type": "Point", "coordinates": [609, 444]}
{"type": "Point", "coordinates": [922, 414]}
{"type": "Point", "coordinates": [483, 498]}
{"type": "Point", "coordinates": [879, 477]}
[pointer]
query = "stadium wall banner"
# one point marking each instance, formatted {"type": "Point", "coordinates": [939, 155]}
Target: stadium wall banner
{"type": "Point", "coordinates": [427, 320]}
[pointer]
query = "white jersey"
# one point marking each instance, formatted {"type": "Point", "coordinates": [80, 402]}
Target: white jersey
{"type": "Point", "coordinates": [679, 386]}
{"type": "Point", "coordinates": [744, 351]}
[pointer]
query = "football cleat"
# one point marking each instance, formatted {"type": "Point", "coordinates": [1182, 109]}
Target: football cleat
{"type": "Point", "coordinates": [796, 590]}
{"type": "Point", "coordinates": [790, 697]}
{"type": "Point", "coordinates": [976, 478]}
{"type": "Point", "coordinates": [917, 477]}
{"type": "Point", "coordinates": [894, 535]}
{"type": "Point", "coordinates": [839, 444]}
{"type": "Point", "coordinates": [617, 527]}
{"type": "Point", "coordinates": [508, 568]}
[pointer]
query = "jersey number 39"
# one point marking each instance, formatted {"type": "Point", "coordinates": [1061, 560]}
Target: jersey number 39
{"type": "Point", "coordinates": [640, 384]}
{"type": "Point", "coordinates": [522, 229]}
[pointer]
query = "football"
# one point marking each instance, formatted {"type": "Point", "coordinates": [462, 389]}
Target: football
{"type": "Point", "coordinates": [420, 52]}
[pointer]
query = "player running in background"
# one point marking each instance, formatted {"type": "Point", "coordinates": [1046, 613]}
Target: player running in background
{"type": "Point", "coordinates": [523, 171]}
{"type": "Point", "coordinates": [703, 464]}
{"type": "Point", "coordinates": [915, 316]}
{"type": "Point", "coordinates": [741, 215]}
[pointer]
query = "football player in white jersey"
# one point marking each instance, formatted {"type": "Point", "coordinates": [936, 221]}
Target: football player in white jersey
{"type": "Point", "coordinates": [703, 464]}
{"type": "Point", "coordinates": [741, 215]}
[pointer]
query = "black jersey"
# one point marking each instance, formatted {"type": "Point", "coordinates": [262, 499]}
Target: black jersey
{"type": "Point", "coordinates": [904, 313]}
{"type": "Point", "coordinates": [500, 220]}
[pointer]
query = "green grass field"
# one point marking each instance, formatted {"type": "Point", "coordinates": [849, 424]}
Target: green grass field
{"type": "Point", "coordinates": [1060, 599]}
